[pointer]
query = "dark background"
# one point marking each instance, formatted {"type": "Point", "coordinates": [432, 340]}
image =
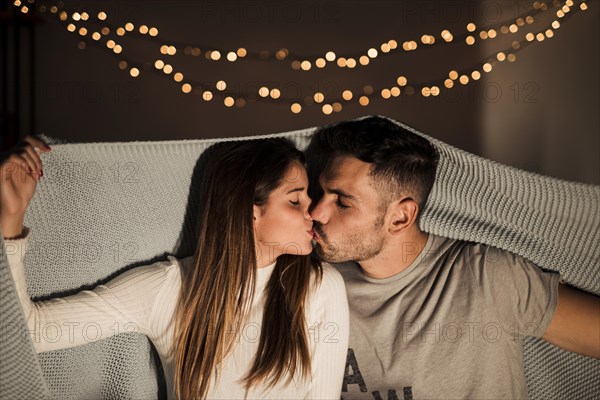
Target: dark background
{"type": "Point", "coordinates": [539, 113]}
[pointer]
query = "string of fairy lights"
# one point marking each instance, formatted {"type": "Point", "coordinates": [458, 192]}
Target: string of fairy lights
{"type": "Point", "coordinates": [107, 37]}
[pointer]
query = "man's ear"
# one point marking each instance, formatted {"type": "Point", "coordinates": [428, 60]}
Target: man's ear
{"type": "Point", "coordinates": [403, 215]}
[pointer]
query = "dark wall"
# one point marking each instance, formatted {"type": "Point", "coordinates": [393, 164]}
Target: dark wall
{"type": "Point", "coordinates": [82, 94]}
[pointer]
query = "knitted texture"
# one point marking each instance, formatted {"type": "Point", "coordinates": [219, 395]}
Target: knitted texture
{"type": "Point", "coordinates": [103, 208]}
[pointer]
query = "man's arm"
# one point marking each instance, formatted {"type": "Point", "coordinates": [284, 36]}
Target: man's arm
{"type": "Point", "coordinates": [575, 325]}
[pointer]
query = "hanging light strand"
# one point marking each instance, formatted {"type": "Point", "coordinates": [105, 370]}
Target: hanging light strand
{"type": "Point", "coordinates": [219, 90]}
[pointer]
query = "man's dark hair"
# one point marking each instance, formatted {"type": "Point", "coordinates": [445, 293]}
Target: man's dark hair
{"type": "Point", "coordinates": [403, 163]}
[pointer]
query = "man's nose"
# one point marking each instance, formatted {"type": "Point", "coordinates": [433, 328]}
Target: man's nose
{"type": "Point", "coordinates": [318, 212]}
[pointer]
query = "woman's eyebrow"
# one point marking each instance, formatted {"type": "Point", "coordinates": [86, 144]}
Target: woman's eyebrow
{"type": "Point", "coordinates": [298, 189]}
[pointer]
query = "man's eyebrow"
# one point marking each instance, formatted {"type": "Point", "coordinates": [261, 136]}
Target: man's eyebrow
{"type": "Point", "coordinates": [340, 193]}
{"type": "Point", "coordinates": [298, 189]}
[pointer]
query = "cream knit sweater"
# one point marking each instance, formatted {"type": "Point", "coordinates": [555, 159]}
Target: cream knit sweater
{"type": "Point", "coordinates": [143, 300]}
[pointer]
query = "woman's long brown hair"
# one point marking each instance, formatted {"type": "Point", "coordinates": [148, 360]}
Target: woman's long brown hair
{"type": "Point", "coordinates": [217, 293]}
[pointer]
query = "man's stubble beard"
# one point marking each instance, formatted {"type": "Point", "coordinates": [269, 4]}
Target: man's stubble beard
{"type": "Point", "coordinates": [358, 246]}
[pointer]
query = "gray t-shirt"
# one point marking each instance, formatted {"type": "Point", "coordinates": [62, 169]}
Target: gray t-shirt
{"type": "Point", "coordinates": [450, 326]}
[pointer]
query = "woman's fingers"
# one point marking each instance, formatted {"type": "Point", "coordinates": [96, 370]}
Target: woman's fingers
{"type": "Point", "coordinates": [29, 163]}
{"type": "Point", "coordinates": [37, 143]}
{"type": "Point", "coordinates": [36, 158]}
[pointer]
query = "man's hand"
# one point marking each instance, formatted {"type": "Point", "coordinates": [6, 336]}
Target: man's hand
{"type": "Point", "coordinates": [20, 170]}
{"type": "Point", "coordinates": [575, 325]}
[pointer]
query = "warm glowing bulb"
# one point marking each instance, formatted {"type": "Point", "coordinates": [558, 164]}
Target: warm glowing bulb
{"type": "Point", "coordinates": [501, 56]}
{"type": "Point", "coordinates": [231, 56]}
{"type": "Point", "coordinates": [305, 65]}
{"type": "Point", "coordinates": [471, 27]}
{"type": "Point", "coordinates": [76, 16]}
{"type": "Point", "coordinates": [101, 15]}
{"type": "Point", "coordinates": [129, 27]}
{"type": "Point", "coordinates": [487, 67]}
{"type": "Point", "coordinates": [402, 81]}
{"type": "Point", "coordinates": [470, 40]}
{"type": "Point", "coordinates": [319, 97]}
{"type": "Point", "coordinates": [229, 102]}
{"type": "Point", "coordinates": [556, 24]}
{"type": "Point", "coordinates": [351, 63]}
{"type": "Point", "coordinates": [364, 101]}
{"type": "Point", "coordinates": [110, 44]}
{"type": "Point", "coordinates": [385, 47]}
{"type": "Point", "coordinates": [475, 75]}
{"type": "Point", "coordinates": [159, 64]}
{"type": "Point", "coordinates": [448, 83]}
{"type": "Point", "coordinates": [426, 91]}
{"type": "Point", "coordinates": [330, 56]}
{"type": "Point", "coordinates": [347, 95]}
{"type": "Point", "coordinates": [221, 85]}
{"type": "Point", "coordinates": [178, 77]}
{"type": "Point", "coordinates": [263, 91]}
{"type": "Point", "coordinates": [96, 36]}
{"type": "Point", "coordinates": [143, 29]}
{"type": "Point", "coordinates": [134, 72]}
{"type": "Point", "coordinates": [364, 60]}
{"type": "Point", "coordinates": [464, 79]}
{"type": "Point", "coordinates": [186, 88]}
{"type": "Point", "coordinates": [372, 53]}
{"type": "Point", "coordinates": [275, 93]}
{"type": "Point", "coordinates": [215, 55]}
{"type": "Point", "coordinates": [71, 28]}
{"type": "Point", "coordinates": [320, 63]}
{"type": "Point", "coordinates": [393, 44]}
{"type": "Point", "coordinates": [530, 36]}
{"type": "Point", "coordinates": [386, 94]}
{"type": "Point", "coordinates": [153, 32]}
{"type": "Point", "coordinates": [207, 96]}
{"type": "Point", "coordinates": [395, 91]}
{"type": "Point", "coordinates": [327, 109]}
{"type": "Point", "coordinates": [241, 52]}
{"type": "Point", "coordinates": [167, 69]}
{"type": "Point", "coordinates": [117, 49]}
{"type": "Point", "coordinates": [337, 107]}
{"type": "Point", "coordinates": [453, 75]}
{"type": "Point", "coordinates": [296, 108]}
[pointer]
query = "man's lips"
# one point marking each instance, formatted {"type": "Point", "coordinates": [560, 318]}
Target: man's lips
{"type": "Point", "coordinates": [316, 235]}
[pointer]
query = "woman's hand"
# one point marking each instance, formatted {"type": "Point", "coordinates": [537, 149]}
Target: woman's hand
{"type": "Point", "coordinates": [20, 171]}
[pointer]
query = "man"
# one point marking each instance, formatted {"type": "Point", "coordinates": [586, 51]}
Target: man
{"type": "Point", "coordinates": [430, 317]}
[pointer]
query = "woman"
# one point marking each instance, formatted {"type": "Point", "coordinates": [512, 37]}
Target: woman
{"type": "Point", "coordinates": [249, 315]}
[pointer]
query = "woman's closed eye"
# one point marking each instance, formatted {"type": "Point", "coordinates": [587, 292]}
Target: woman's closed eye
{"type": "Point", "coordinates": [295, 203]}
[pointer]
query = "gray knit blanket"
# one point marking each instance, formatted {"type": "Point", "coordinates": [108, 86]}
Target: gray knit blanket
{"type": "Point", "coordinates": [103, 208]}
